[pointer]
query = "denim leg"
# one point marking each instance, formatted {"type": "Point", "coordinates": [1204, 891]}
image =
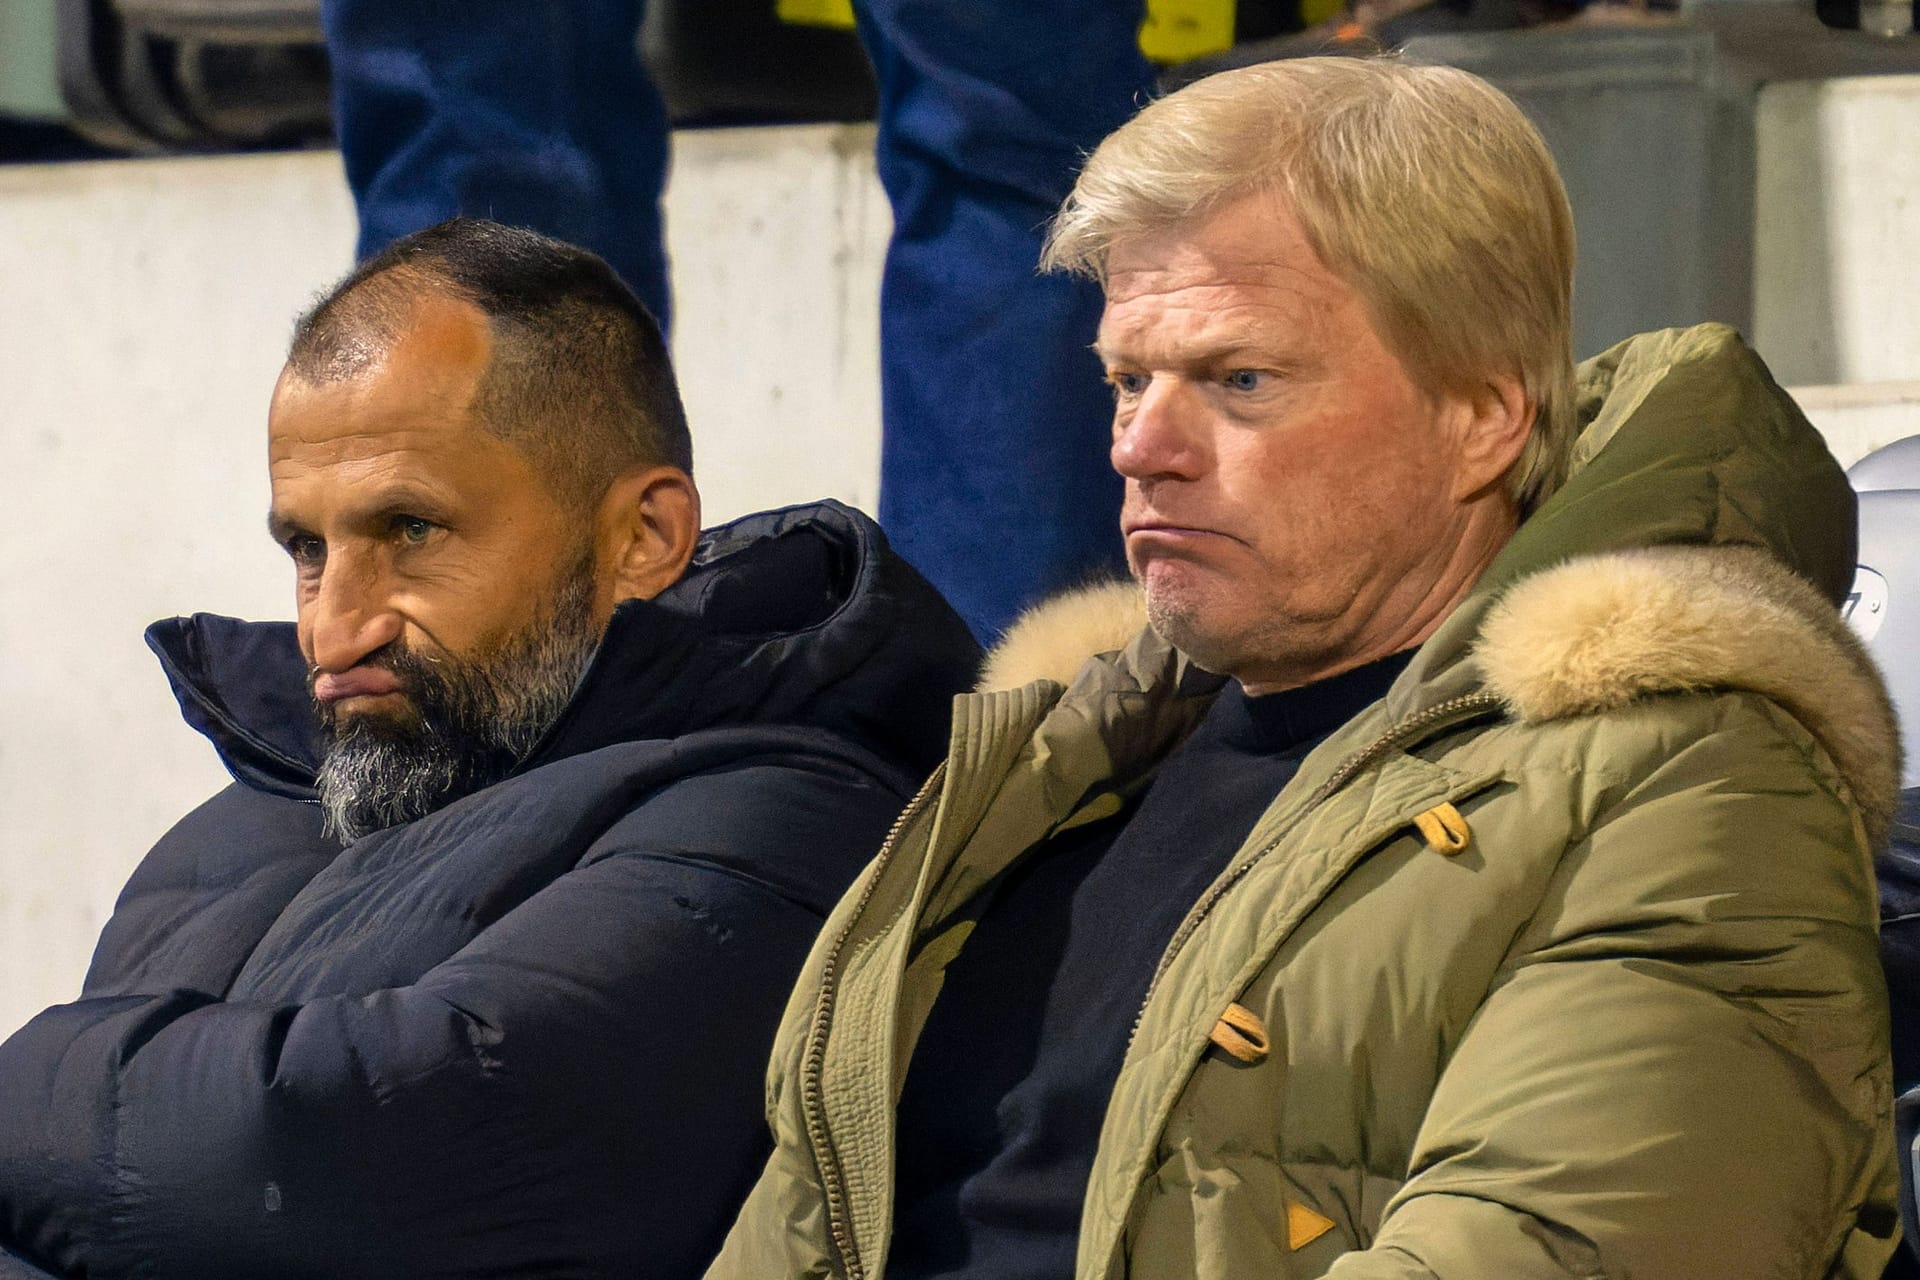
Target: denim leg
{"type": "Point", "coordinates": [994, 475]}
{"type": "Point", "coordinates": [534, 114]}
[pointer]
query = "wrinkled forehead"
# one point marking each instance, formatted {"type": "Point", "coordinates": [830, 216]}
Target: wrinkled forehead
{"type": "Point", "coordinates": [1248, 265]}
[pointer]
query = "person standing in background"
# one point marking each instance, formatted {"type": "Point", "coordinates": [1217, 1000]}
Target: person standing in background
{"type": "Point", "coordinates": [993, 463]}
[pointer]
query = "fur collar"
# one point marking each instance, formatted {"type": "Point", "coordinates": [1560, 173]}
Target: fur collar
{"type": "Point", "coordinates": [1054, 639]}
{"type": "Point", "coordinates": [1600, 631]}
{"type": "Point", "coordinates": [1593, 634]}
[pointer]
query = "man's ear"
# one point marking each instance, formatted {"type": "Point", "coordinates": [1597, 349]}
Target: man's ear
{"type": "Point", "coordinates": [1494, 424]}
{"type": "Point", "coordinates": [645, 532]}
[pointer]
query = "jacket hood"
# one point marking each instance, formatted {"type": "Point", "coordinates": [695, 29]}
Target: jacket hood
{"type": "Point", "coordinates": [1703, 539]}
{"type": "Point", "coordinates": [801, 617]}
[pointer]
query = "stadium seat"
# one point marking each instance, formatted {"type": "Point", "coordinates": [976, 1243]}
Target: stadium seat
{"type": "Point", "coordinates": [187, 75]}
{"type": "Point", "coordinates": [1884, 609]}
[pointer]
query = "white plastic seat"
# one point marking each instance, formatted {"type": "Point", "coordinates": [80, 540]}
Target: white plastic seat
{"type": "Point", "coordinates": [1884, 606]}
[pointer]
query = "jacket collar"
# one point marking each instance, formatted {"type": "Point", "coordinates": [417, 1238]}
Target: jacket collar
{"type": "Point", "coordinates": [799, 616]}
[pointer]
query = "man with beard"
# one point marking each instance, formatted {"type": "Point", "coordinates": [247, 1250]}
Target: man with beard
{"type": "Point", "coordinates": [473, 969]}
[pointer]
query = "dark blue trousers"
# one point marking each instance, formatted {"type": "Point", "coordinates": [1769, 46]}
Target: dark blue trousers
{"type": "Point", "coordinates": [994, 476]}
{"type": "Point", "coordinates": [533, 114]}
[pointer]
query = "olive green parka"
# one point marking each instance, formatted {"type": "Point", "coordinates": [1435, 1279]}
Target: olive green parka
{"type": "Point", "coordinates": [1559, 961]}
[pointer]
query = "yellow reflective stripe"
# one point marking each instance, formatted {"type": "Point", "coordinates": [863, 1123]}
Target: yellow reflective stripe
{"type": "Point", "coordinates": [815, 13]}
{"type": "Point", "coordinates": [1176, 30]}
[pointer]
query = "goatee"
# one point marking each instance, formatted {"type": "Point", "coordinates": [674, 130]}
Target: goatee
{"type": "Point", "coordinates": [472, 722]}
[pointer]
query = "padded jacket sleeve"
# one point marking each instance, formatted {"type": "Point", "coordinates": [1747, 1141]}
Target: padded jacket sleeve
{"type": "Point", "coordinates": [577, 1092]}
{"type": "Point", "coordinates": [1681, 1069]}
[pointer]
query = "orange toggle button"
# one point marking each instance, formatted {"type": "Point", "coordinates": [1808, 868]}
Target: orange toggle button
{"type": "Point", "coordinates": [1241, 1033]}
{"type": "Point", "coordinates": [1444, 830]}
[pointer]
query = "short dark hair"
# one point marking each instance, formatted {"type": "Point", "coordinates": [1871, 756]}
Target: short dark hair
{"type": "Point", "coordinates": [579, 377]}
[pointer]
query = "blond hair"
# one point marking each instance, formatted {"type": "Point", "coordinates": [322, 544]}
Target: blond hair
{"type": "Point", "coordinates": [1424, 188]}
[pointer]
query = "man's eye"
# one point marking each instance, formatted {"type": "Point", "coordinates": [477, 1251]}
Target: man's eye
{"type": "Point", "coordinates": [306, 549]}
{"type": "Point", "coordinates": [1128, 384]}
{"type": "Point", "coordinates": [413, 529]}
{"type": "Point", "coordinates": [1244, 379]}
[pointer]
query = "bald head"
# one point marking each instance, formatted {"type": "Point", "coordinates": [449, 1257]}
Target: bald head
{"type": "Point", "coordinates": [574, 374]}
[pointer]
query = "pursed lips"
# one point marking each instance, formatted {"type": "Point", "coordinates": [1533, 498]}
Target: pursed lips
{"type": "Point", "coordinates": [355, 682]}
{"type": "Point", "coordinates": [1170, 531]}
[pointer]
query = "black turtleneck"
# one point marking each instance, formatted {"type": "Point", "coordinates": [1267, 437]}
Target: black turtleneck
{"type": "Point", "coordinates": [1009, 1081]}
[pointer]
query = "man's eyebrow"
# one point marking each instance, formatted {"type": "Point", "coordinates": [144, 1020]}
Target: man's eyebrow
{"type": "Point", "coordinates": [1230, 348]}
{"type": "Point", "coordinates": [403, 499]}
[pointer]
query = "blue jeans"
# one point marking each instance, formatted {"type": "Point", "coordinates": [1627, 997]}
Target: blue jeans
{"type": "Point", "coordinates": [994, 478]}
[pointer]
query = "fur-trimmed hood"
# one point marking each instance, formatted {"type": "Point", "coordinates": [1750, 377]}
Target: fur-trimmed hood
{"type": "Point", "coordinates": [1671, 592]}
{"type": "Point", "coordinates": [1597, 633]}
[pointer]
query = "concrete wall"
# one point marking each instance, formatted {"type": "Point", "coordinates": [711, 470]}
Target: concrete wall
{"type": "Point", "coordinates": [1860, 417]}
{"type": "Point", "coordinates": [143, 310]}
{"type": "Point", "coordinates": [1837, 220]}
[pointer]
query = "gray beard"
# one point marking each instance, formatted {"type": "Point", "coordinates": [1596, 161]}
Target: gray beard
{"type": "Point", "coordinates": [472, 724]}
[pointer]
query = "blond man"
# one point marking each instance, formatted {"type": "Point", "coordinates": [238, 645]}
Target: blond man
{"type": "Point", "coordinates": [1466, 872]}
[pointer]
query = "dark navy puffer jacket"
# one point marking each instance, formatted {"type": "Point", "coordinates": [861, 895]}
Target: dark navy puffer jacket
{"type": "Point", "coordinates": [525, 1035]}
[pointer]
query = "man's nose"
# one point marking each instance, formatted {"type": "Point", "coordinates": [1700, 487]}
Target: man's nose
{"type": "Point", "coordinates": [351, 615]}
{"type": "Point", "coordinates": [1160, 437]}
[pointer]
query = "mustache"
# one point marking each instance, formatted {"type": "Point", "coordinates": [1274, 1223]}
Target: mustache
{"type": "Point", "coordinates": [463, 721]}
{"type": "Point", "coordinates": [417, 674]}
